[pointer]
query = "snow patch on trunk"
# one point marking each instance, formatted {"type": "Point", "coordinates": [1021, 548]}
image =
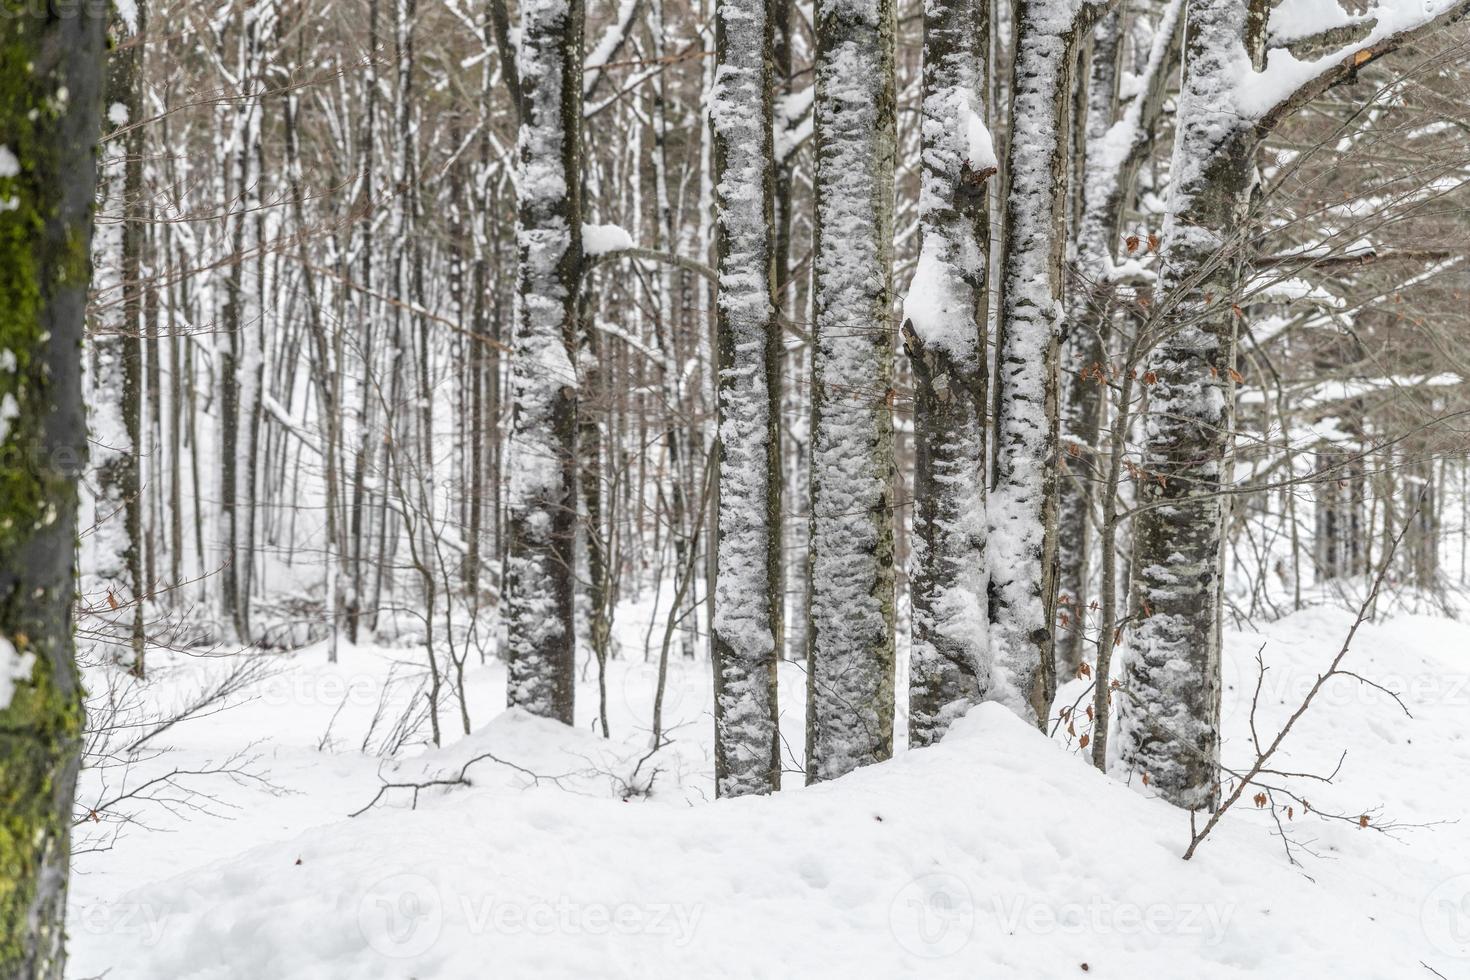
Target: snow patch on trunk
{"type": "Point", "coordinates": [14, 666]}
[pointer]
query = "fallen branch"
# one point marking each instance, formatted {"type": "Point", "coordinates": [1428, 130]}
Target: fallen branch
{"type": "Point", "coordinates": [461, 779]}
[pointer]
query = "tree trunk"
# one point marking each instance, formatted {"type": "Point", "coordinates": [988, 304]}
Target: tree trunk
{"type": "Point", "coordinates": [600, 583]}
{"type": "Point", "coordinates": [944, 336]}
{"type": "Point", "coordinates": [541, 634]}
{"type": "Point", "coordinates": [1023, 507]}
{"type": "Point", "coordinates": [47, 181]}
{"type": "Point", "coordinates": [114, 548]}
{"type": "Point", "coordinates": [360, 529]}
{"type": "Point", "coordinates": [1117, 143]}
{"type": "Point", "coordinates": [324, 376]}
{"type": "Point", "coordinates": [850, 662]}
{"type": "Point", "coordinates": [1086, 348]}
{"type": "Point", "coordinates": [747, 592]}
{"type": "Point", "coordinates": [1169, 711]}
{"type": "Point", "coordinates": [233, 357]}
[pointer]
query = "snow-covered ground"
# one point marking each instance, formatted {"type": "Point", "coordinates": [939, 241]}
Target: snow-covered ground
{"type": "Point", "coordinates": [998, 853]}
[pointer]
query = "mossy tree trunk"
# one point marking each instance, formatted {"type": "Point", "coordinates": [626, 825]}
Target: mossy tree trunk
{"type": "Point", "coordinates": [50, 89]}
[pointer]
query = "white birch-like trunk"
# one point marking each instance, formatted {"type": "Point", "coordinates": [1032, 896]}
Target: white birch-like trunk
{"type": "Point", "coordinates": [851, 650]}
{"type": "Point", "coordinates": [111, 550]}
{"type": "Point", "coordinates": [747, 597]}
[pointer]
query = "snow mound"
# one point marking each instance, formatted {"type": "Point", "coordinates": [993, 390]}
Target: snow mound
{"type": "Point", "coordinates": [981, 856]}
{"type": "Point", "coordinates": [998, 853]}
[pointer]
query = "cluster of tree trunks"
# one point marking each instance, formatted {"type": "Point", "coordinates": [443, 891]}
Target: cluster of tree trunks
{"type": "Point", "coordinates": [1023, 404]}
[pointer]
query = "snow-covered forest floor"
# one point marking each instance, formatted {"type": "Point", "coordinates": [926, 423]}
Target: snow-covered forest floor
{"type": "Point", "coordinates": [997, 853]}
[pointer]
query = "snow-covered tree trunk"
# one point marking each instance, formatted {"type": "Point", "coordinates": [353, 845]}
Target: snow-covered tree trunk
{"type": "Point", "coordinates": [1169, 711]}
{"type": "Point", "coordinates": [851, 652]}
{"type": "Point", "coordinates": [325, 347]}
{"type": "Point", "coordinates": [482, 349]}
{"type": "Point", "coordinates": [596, 519]}
{"type": "Point", "coordinates": [360, 517]}
{"type": "Point", "coordinates": [1023, 506]}
{"type": "Point", "coordinates": [114, 548]}
{"type": "Point", "coordinates": [1168, 714]}
{"type": "Point", "coordinates": [1117, 142]}
{"type": "Point", "coordinates": [235, 349]}
{"type": "Point", "coordinates": [748, 597]}
{"type": "Point", "coordinates": [50, 93]}
{"type": "Point", "coordinates": [944, 336]}
{"type": "Point", "coordinates": [542, 503]}
{"type": "Point", "coordinates": [1085, 347]}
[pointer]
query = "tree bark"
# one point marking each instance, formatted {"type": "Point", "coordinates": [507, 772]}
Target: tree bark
{"type": "Point", "coordinates": [115, 551]}
{"type": "Point", "coordinates": [747, 593]}
{"type": "Point", "coordinates": [50, 91]}
{"type": "Point", "coordinates": [1169, 711]}
{"type": "Point", "coordinates": [541, 634]}
{"type": "Point", "coordinates": [850, 663]}
{"type": "Point", "coordinates": [1115, 148]}
{"type": "Point", "coordinates": [944, 336]}
{"type": "Point", "coordinates": [1023, 508]}
{"type": "Point", "coordinates": [1086, 348]}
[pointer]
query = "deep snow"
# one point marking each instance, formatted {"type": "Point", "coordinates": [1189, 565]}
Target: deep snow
{"type": "Point", "coordinates": [998, 853]}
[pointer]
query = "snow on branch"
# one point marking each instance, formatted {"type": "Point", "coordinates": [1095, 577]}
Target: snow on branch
{"type": "Point", "coordinates": [1130, 137]}
{"type": "Point", "coordinates": [1301, 22]}
{"type": "Point", "coordinates": [631, 251]}
{"type": "Point", "coordinates": [613, 38]}
{"type": "Point", "coordinates": [1328, 393]}
{"type": "Point", "coordinates": [602, 239]}
{"type": "Point", "coordinates": [1288, 82]}
{"type": "Point", "coordinates": [1321, 260]}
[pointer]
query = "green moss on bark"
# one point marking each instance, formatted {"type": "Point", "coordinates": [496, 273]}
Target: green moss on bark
{"type": "Point", "coordinates": [39, 743]}
{"type": "Point", "coordinates": [31, 103]}
{"type": "Point", "coordinates": [50, 72]}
